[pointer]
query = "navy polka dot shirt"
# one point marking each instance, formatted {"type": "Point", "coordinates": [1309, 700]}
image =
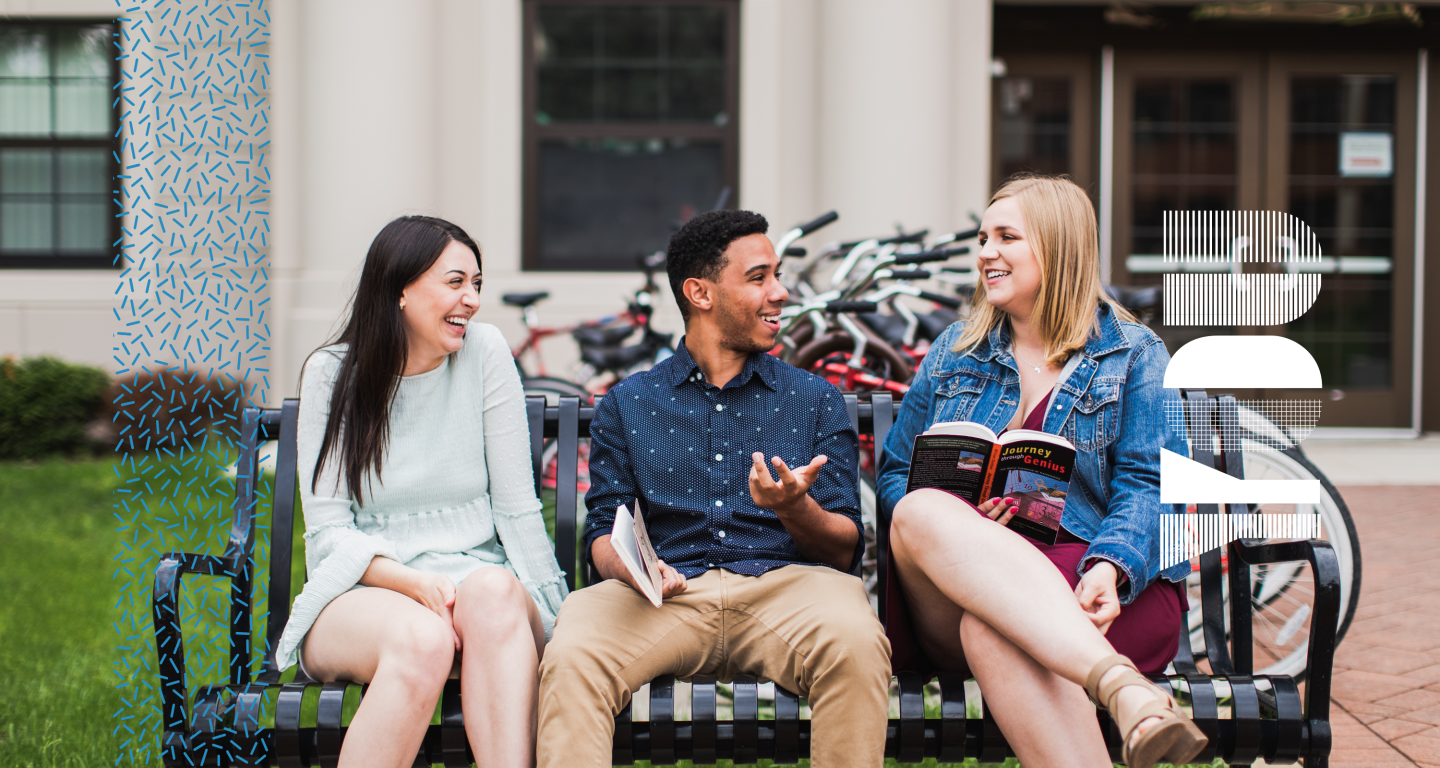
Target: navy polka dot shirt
{"type": "Point", "coordinates": [682, 446]}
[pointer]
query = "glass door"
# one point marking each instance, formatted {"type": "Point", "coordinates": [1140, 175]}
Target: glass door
{"type": "Point", "coordinates": [1041, 112]}
{"type": "Point", "coordinates": [1340, 146]}
{"type": "Point", "coordinates": [1188, 137]}
{"type": "Point", "coordinates": [1328, 138]}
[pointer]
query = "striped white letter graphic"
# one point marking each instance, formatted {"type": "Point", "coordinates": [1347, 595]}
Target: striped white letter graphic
{"type": "Point", "coordinates": [1218, 244]}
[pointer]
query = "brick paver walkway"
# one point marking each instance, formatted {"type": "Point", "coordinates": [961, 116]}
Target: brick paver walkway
{"type": "Point", "coordinates": [1386, 708]}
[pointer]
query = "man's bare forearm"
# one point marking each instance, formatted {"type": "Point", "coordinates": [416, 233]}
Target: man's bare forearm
{"type": "Point", "coordinates": [607, 561]}
{"type": "Point", "coordinates": [821, 536]}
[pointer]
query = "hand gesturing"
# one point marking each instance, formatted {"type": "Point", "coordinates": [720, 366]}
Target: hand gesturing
{"type": "Point", "coordinates": [792, 486]}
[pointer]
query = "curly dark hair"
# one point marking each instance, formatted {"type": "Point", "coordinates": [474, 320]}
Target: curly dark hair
{"type": "Point", "coordinates": [698, 248]}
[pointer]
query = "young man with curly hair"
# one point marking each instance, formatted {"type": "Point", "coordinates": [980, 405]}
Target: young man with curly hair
{"type": "Point", "coordinates": [745, 472]}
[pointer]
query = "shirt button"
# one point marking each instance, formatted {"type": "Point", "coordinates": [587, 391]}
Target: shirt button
{"type": "Point", "coordinates": [719, 503]}
{"type": "Point", "coordinates": [719, 407]}
{"type": "Point", "coordinates": [1057, 407]}
{"type": "Point", "coordinates": [719, 457]}
{"type": "Point", "coordinates": [721, 534]}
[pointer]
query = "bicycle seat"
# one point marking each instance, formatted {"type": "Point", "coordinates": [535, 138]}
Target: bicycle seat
{"type": "Point", "coordinates": [891, 328]}
{"type": "Point", "coordinates": [616, 358]}
{"type": "Point", "coordinates": [934, 323]}
{"type": "Point", "coordinates": [1136, 298]}
{"type": "Point", "coordinates": [607, 336]}
{"type": "Point", "coordinates": [524, 299]}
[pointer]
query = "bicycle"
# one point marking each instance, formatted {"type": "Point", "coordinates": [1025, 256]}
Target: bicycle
{"type": "Point", "coordinates": [604, 357]}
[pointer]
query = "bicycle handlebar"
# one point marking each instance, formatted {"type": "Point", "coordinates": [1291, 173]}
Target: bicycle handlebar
{"type": "Point", "coordinates": [852, 306]}
{"type": "Point", "coordinates": [941, 299]}
{"type": "Point", "coordinates": [817, 223]}
{"type": "Point", "coordinates": [909, 274]}
{"type": "Point", "coordinates": [901, 239]}
{"type": "Point", "coordinates": [795, 250]}
{"type": "Point", "coordinates": [927, 256]}
{"type": "Point", "coordinates": [967, 234]}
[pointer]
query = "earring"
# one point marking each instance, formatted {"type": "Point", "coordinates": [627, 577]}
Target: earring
{"type": "Point", "coordinates": [402, 305]}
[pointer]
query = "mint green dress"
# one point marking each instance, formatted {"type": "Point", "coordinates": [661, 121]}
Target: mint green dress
{"type": "Point", "coordinates": [457, 495]}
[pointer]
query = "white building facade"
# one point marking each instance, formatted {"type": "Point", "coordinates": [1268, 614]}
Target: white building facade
{"type": "Point", "coordinates": [904, 112]}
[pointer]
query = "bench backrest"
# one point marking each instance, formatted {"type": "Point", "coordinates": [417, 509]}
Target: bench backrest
{"type": "Point", "coordinates": [568, 420]}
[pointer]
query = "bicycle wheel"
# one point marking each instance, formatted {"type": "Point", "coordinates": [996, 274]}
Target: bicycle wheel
{"type": "Point", "coordinates": [1281, 595]}
{"type": "Point", "coordinates": [881, 359]}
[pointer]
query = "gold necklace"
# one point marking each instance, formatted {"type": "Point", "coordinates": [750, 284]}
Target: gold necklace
{"type": "Point", "coordinates": [1016, 352]}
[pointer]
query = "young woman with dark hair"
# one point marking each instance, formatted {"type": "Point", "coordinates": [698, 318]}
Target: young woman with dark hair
{"type": "Point", "coordinates": [425, 545]}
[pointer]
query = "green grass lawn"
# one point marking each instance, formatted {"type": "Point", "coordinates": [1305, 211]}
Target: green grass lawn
{"type": "Point", "coordinates": [57, 639]}
{"type": "Point", "coordinates": [63, 633]}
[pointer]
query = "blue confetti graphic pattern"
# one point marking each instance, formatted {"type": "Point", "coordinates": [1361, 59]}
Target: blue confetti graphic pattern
{"type": "Point", "coordinates": [192, 339]}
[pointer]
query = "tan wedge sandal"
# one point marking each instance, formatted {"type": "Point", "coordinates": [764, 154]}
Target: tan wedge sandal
{"type": "Point", "coordinates": [1175, 739]}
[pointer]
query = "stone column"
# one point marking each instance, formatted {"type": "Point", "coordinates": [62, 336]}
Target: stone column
{"type": "Point", "coordinates": [358, 129]}
{"type": "Point", "coordinates": [904, 113]}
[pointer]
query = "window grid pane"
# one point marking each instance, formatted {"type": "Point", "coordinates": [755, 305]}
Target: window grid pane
{"type": "Point", "coordinates": [630, 134]}
{"type": "Point", "coordinates": [640, 63]}
{"type": "Point", "coordinates": [56, 124]}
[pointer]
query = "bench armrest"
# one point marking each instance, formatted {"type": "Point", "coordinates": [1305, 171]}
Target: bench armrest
{"type": "Point", "coordinates": [1324, 621]}
{"type": "Point", "coordinates": [170, 640]}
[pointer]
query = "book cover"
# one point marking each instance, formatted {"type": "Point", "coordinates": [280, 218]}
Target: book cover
{"type": "Point", "coordinates": [974, 463]}
{"type": "Point", "coordinates": [632, 542]}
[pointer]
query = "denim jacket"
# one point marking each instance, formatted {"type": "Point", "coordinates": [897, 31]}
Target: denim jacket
{"type": "Point", "coordinates": [1112, 407]}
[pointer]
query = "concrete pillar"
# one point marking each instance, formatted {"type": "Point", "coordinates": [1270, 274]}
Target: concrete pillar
{"type": "Point", "coordinates": [970, 88]}
{"type": "Point", "coordinates": [779, 93]}
{"type": "Point", "coordinates": [904, 113]}
{"type": "Point", "coordinates": [885, 114]}
{"type": "Point", "coordinates": [364, 134]}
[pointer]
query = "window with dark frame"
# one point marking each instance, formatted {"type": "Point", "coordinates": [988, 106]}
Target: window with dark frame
{"type": "Point", "coordinates": [58, 118]}
{"type": "Point", "coordinates": [1035, 125]}
{"type": "Point", "coordinates": [630, 125]}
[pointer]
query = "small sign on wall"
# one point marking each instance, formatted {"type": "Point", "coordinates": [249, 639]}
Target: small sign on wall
{"type": "Point", "coordinates": [1367, 153]}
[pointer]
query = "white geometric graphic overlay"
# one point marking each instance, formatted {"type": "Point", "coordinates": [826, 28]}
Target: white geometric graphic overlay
{"type": "Point", "coordinates": [1297, 417]}
{"type": "Point", "coordinates": [1183, 537]}
{"type": "Point", "coordinates": [1236, 298]}
{"type": "Point", "coordinates": [1252, 300]}
{"type": "Point", "coordinates": [1242, 362]}
{"type": "Point", "coordinates": [1183, 481]}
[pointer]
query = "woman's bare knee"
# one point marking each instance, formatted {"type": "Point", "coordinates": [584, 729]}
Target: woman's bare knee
{"type": "Point", "coordinates": [421, 652]}
{"type": "Point", "coordinates": [491, 601]}
{"type": "Point", "coordinates": [916, 514]}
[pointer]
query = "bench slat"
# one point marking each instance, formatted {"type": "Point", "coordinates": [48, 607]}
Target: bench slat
{"type": "Point", "coordinates": [565, 487]}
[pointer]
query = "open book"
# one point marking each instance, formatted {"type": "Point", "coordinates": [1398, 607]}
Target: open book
{"type": "Point", "coordinates": [970, 461]}
{"type": "Point", "coordinates": [632, 543]}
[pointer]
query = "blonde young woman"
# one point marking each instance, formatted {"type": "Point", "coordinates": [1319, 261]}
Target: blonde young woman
{"type": "Point", "coordinates": [426, 550]}
{"type": "Point", "coordinates": [1042, 625]}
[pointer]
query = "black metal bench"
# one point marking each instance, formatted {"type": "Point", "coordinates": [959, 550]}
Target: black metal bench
{"type": "Point", "coordinates": [257, 720]}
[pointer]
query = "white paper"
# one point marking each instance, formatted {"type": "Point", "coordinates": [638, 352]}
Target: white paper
{"type": "Point", "coordinates": [631, 541]}
{"type": "Point", "coordinates": [1367, 153]}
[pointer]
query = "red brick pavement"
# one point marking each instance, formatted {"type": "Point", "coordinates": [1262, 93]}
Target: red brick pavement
{"type": "Point", "coordinates": [1386, 708]}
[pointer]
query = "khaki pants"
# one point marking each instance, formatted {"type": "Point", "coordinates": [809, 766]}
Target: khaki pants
{"type": "Point", "coordinates": [809, 629]}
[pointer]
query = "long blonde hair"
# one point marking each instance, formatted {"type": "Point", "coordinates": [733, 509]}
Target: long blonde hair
{"type": "Point", "coordinates": [1060, 225]}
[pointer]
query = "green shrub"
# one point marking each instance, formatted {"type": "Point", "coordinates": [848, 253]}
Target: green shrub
{"type": "Point", "coordinates": [45, 405]}
{"type": "Point", "coordinates": [167, 408]}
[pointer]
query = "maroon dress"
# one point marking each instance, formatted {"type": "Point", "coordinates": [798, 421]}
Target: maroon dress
{"type": "Point", "coordinates": [1147, 631]}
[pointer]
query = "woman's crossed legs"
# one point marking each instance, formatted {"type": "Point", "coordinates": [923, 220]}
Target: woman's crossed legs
{"type": "Point", "coordinates": [979, 592]}
{"type": "Point", "coordinates": [406, 652]}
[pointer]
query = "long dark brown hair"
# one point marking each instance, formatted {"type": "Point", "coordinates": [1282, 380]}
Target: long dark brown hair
{"type": "Point", "coordinates": [358, 428]}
